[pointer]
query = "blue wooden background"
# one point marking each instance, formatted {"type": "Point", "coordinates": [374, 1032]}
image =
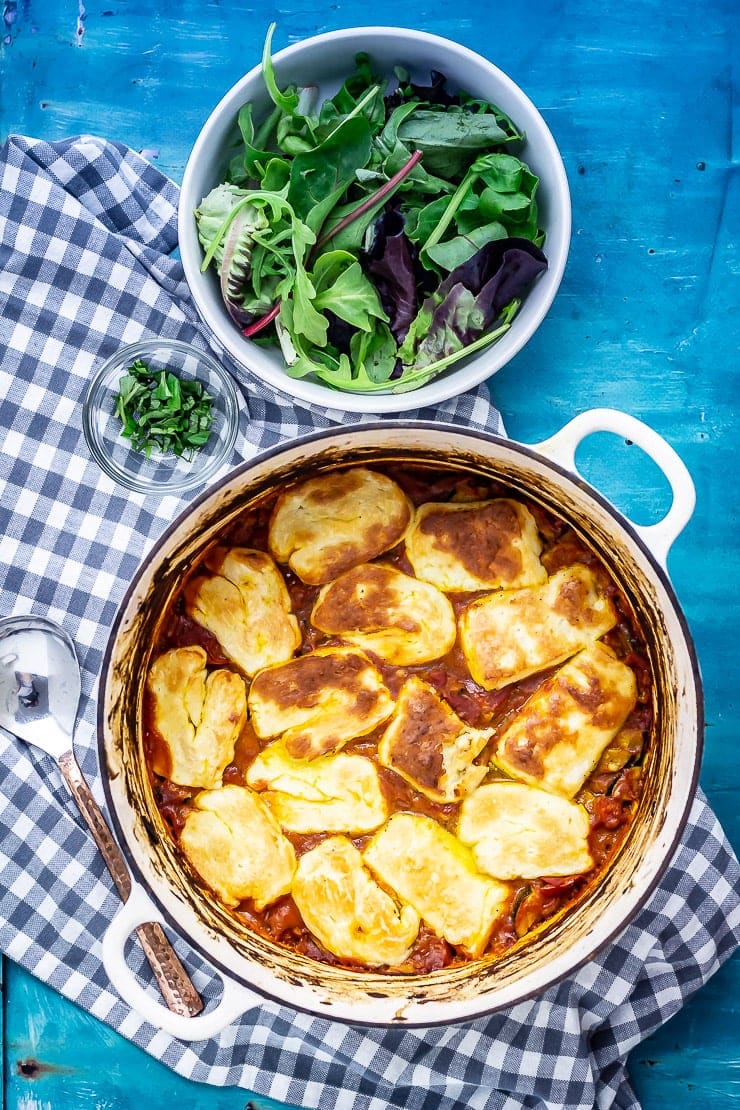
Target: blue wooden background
{"type": "Point", "coordinates": [641, 98]}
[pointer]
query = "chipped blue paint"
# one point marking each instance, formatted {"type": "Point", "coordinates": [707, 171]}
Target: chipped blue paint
{"type": "Point", "coordinates": [81, 17]}
{"type": "Point", "coordinates": [10, 12]}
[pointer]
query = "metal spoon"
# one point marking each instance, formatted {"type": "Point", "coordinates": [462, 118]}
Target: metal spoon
{"type": "Point", "coordinates": [39, 698]}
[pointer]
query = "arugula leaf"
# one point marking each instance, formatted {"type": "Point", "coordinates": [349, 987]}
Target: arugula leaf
{"type": "Point", "coordinates": [163, 413]}
{"type": "Point", "coordinates": [254, 156]}
{"type": "Point", "coordinates": [300, 358]}
{"type": "Point", "coordinates": [350, 295]}
{"type": "Point", "coordinates": [419, 327]}
{"type": "Point", "coordinates": [374, 354]}
{"type": "Point", "coordinates": [286, 101]}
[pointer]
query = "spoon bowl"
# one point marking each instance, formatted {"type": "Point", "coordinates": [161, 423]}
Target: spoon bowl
{"type": "Point", "coordinates": [40, 690]}
{"type": "Point", "coordinates": [39, 683]}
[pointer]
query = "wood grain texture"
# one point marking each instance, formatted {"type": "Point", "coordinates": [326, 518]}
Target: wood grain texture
{"type": "Point", "coordinates": [642, 99]}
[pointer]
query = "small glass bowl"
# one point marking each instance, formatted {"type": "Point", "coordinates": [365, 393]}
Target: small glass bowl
{"type": "Point", "coordinates": [159, 473]}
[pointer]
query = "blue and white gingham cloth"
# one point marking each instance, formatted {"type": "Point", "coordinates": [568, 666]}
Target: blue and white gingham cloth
{"type": "Point", "coordinates": [87, 228]}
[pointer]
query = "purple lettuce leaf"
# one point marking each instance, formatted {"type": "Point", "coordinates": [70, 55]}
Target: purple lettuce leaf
{"type": "Point", "coordinates": [433, 93]}
{"type": "Point", "coordinates": [473, 296]}
{"type": "Point", "coordinates": [500, 272]}
{"type": "Point", "coordinates": [339, 332]}
{"type": "Point", "coordinates": [391, 266]}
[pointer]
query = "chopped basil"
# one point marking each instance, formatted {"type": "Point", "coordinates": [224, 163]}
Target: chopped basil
{"type": "Point", "coordinates": [163, 413]}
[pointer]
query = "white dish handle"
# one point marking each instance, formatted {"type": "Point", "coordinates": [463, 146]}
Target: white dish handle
{"type": "Point", "coordinates": [235, 999]}
{"type": "Point", "coordinates": [561, 449]}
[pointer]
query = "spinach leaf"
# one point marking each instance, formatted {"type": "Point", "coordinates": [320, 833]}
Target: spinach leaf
{"type": "Point", "coordinates": [450, 139]}
{"type": "Point", "coordinates": [453, 252]}
{"type": "Point", "coordinates": [328, 169]}
{"type": "Point", "coordinates": [351, 237]}
{"type": "Point", "coordinates": [421, 221]}
{"type": "Point", "coordinates": [356, 86]}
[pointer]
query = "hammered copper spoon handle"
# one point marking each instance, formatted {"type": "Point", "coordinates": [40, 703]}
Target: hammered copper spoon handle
{"type": "Point", "coordinates": [174, 982]}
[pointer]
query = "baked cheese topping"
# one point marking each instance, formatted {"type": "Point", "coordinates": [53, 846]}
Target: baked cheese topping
{"type": "Point", "coordinates": [510, 635]}
{"type": "Point", "coordinates": [245, 604]}
{"type": "Point", "coordinates": [429, 746]}
{"type": "Point", "coordinates": [401, 619]}
{"type": "Point", "coordinates": [237, 846]}
{"type": "Point", "coordinates": [328, 524]}
{"type": "Point", "coordinates": [334, 793]}
{"type": "Point", "coordinates": [198, 716]}
{"type": "Point", "coordinates": [347, 911]}
{"type": "Point", "coordinates": [431, 870]}
{"type": "Point", "coordinates": [475, 545]}
{"type": "Point", "coordinates": [557, 738]}
{"type": "Point", "coordinates": [517, 831]}
{"type": "Point", "coordinates": [318, 702]}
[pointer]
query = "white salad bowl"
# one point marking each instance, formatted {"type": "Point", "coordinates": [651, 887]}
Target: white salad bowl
{"type": "Point", "coordinates": [326, 61]}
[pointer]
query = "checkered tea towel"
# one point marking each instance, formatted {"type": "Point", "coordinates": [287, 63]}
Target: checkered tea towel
{"type": "Point", "coordinates": [86, 232]}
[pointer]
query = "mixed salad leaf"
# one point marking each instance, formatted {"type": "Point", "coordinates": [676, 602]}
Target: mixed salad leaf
{"type": "Point", "coordinates": [379, 236]}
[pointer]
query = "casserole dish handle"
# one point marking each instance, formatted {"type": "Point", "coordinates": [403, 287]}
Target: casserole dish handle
{"type": "Point", "coordinates": [561, 448]}
{"type": "Point", "coordinates": [235, 999]}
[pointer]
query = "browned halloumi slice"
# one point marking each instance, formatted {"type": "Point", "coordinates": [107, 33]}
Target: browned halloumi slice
{"type": "Point", "coordinates": [401, 619]}
{"type": "Point", "coordinates": [512, 634]}
{"type": "Point", "coordinates": [516, 831]}
{"type": "Point", "coordinates": [328, 524]}
{"type": "Point", "coordinates": [246, 605]}
{"type": "Point", "coordinates": [236, 845]}
{"type": "Point", "coordinates": [475, 545]}
{"type": "Point", "coordinates": [334, 793]}
{"type": "Point", "coordinates": [431, 870]}
{"type": "Point", "coordinates": [429, 746]}
{"type": "Point", "coordinates": [347, 911]}
{"type": "Point", "coordinates": [318, 702]}
{"type": "Point", "coordinates": [557, 738]}
{"type": "Point", "coordinates": [198, 716]}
